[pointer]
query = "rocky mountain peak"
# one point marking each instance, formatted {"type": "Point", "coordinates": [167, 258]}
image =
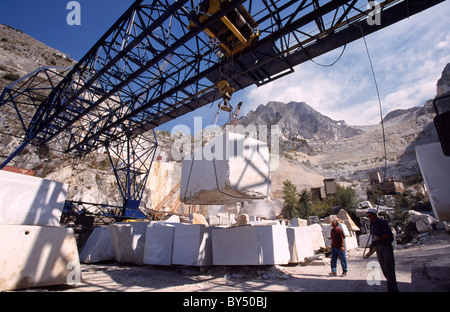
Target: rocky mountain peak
{"type": "Point", "coordinates": [298, 120]}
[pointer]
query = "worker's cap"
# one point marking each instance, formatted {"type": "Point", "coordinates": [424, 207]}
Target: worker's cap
{"type": "Point", "coordinates": [372, 211]}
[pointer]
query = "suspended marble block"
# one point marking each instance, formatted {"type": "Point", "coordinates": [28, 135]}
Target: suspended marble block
{"type": "Point", "coordinates": [30, 200]}
{"type": "Point", "coordinates": [32, 256]}
{"type": "Point", "coordinates": [230, 169]}
{"type": "Point", "coordinates": [251, 245]}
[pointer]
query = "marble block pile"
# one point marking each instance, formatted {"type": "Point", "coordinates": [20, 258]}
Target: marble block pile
{"type": "Point", "coordinates": [166, 243]}
{"type": "Point", "coordinates": [230, 169]}
{"type": "Point", "coordinates": [36, 250]}
{"type": "Point", "coordinates": [155, 243]}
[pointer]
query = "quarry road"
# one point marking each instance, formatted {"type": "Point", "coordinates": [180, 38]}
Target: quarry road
{"type": "Point", "coordinates": [424, 268]}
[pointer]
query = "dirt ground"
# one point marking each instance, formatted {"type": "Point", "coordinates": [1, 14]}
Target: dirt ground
{"type": "Point", "coordinates": [423, 268]}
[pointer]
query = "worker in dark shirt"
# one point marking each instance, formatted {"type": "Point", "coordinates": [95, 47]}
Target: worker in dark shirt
{"type": "Point", "coordinates": [382, 238]}
{"type": "Point", "coordinates": [337, 249]}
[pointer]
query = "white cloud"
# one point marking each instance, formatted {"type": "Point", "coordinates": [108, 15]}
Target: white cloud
{"type": "Point", "coordinates": [408, 59]}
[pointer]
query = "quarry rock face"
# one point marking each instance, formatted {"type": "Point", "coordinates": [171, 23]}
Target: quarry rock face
{"type": "Point", "coordinates": [232, 168]}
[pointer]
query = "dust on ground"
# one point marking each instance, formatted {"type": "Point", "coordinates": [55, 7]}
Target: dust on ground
{"type": "Point", "coordinates": [424, 268]}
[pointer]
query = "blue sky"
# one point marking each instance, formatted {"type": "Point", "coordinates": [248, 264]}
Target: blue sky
{"type": "Point", "coordinates": [408, 59]}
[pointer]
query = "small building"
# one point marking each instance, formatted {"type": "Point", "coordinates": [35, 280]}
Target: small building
{"type": "Point", "coordinates": [330, 186]}
{"type": "Point", "coordinates": [374, 178]}
{"type": "Point", "coordinates": [392, 187]}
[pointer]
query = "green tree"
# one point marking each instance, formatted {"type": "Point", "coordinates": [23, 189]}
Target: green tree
{"type": "Point", "coordinates": [347, 198]}
{"type": "Point", "coordinates": [291, 200]}
{"type": "Point", "coordinates": [305, 204]}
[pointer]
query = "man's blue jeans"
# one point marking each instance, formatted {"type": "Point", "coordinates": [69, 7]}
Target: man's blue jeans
{"type": "Point", "coordinates": [335, 254]}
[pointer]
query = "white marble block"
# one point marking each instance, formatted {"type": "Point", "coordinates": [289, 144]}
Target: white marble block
{"type": "Point", "coordinates": [300, 243]}
{"type": "Point", "coordinates": [192, 245]}
{"type": "Point", "coordinates": [229, 169]}
{"type": "Point", "coordinates": [98, 247]}
{"type": "Point", "coordinates": [435, 168]}
{"type": "Point", "coordinates": [128, 240]}
{"type": "Point", "coordinates": [317, 236]}
{"type": "Point", "coordinates": [251, 245]}
{"type": "Point", "coordinates": [32, 256]}
{"type": "Point", "coordinates": [30, 200]}
{"type": "Point", "coordinates": [159, 243]}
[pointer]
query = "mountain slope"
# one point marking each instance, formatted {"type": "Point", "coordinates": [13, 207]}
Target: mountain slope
{"type": "Point", "coordinates": [298, 120]}
{"type": "Point", "coordinates": [314, 146]}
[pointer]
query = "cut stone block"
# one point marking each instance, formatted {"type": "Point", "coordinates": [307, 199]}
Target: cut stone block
{"type": "Point", "coordinates": [159, 243]}
{"type": "Point", "coordinates": [251, 245]}
{"type": "Point", "coordinates": [351, 241]}
{"type": "Point", "coordinates": [128, 240]}
{"type": "Point", "coordinates": [435, 168]}
{"type": "Point", "coordinates": [98, 247]}
{"type": "Point", "coordinates": [300, 243]}
{"type": "Point", "coordinates": [299, 222]}
{"type": "Point", "coordinates": [230, 169]}
{"type": "Point", "coordinates": [192, 245]}
{"type": "Point", "coordinates": [29, 200]}
{"type": "Point", "coordinates": [317, 236]}
{"type": "Point", "coordinates": [33, 256]}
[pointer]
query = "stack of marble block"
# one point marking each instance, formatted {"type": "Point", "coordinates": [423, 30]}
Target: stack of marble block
{"type": "Point", "coordinates": [35, 249]}
{"type": "Point", "coordinates": [156, 243]}
{"type": "Point", "coordinates": [171, 243]}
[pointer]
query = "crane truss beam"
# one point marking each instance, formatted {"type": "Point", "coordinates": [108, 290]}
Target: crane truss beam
{"type": "Point", "coordinates": [151, 67]}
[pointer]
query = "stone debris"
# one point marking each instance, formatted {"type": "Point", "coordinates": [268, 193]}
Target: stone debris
{"type": "Point", "coordinates": [260, 272]}
{"type": "Point", "coordinates": [197, 218]}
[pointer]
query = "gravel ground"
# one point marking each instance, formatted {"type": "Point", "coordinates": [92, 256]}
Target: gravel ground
{"type": "Point", "coordinates": [424, 268]}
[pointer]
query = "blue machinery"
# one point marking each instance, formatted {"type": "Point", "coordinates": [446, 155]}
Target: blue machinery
{"type": "Point", "coordinates": [162, 59]}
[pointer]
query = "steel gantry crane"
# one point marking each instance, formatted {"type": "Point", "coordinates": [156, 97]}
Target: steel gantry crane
{"type": "Point", "coordinates": [164, 58]}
